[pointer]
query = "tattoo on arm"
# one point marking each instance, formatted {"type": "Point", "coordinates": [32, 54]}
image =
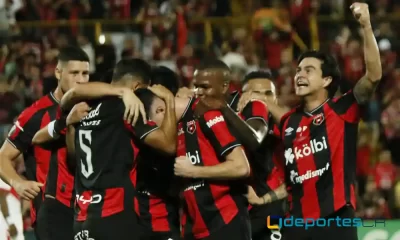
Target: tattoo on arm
{"type": "Point", "coordinates": [273, 195]}
{"type": "Point", "coordinates": [364, 89]}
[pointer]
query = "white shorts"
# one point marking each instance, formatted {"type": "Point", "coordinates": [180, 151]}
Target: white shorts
{"type": "Point", "coordinates": [14, 209]}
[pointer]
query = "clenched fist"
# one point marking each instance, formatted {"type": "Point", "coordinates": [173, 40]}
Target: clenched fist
{"type": "Point", "coordinates": [78, 112]}
{"type": "Point", "coordinates": [361, 13]}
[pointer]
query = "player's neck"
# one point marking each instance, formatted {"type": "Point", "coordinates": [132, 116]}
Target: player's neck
{"type": "Point", "coordinates": [58, 94]}
{"type": "Point", "coordinates": [313, 101]}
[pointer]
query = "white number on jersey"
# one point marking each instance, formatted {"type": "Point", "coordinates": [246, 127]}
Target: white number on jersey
{"type": "Point", "coordinates": [88, 170]}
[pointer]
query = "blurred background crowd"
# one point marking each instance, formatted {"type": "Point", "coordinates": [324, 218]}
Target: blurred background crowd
{"type": "Point", "coordinates": [247, 35]}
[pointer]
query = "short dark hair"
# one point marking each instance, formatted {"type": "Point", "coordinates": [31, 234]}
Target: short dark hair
{"type": "Point", "coordinates": [257, 74]}
{"type": "Point", "coordinates": [72, 53]}
{"type": "Point", "coordinates": [135, 67]}
{"type": "Point", "coordinates": [146, 97]}
{"type": "Point", "coordinates": [166, 77]}
{"type": "Point", "coordinates": [329, 68]}
{"type": "Point", "coordinates": [213, 64]}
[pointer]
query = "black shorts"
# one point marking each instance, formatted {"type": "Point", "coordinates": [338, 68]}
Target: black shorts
{"type": "Point", "coordinates": [238, 229]}
{"type": "Point", "coordinates": [117, 226]}
{"type": "Point", "coordinates": [146, 234]}
{"type": "Point", "coordinates": [333, 232]}
{"type": "Point", "coordinates": [54, 221]}
{"type": "Point", "coordinates": [258, 219]}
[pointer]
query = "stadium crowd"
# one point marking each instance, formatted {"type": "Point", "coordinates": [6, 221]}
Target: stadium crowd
{"type": "Point", "coordinates": [176, 34]}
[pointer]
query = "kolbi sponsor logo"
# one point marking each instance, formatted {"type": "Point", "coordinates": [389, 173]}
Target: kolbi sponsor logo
{"type": "Point", "coordinates": [295, 178]}
{"type": "Point", "coordinates": [215, 120]}
{"type": "Point", "coordinates": [312, 147]}
{"type": "Point", "coordinates": [194, 158]}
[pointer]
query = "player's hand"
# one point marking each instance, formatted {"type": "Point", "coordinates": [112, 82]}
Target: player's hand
{"type": "Point", "coordinates": [248, 97]}
{"type": "Point", "coordinates": [133, 107]}
{"type": "Point", "coordinates": [252, 197]}
{"type": "Point", "coordinates": [12, 230]}
{"type": "Point", "coordinates": [185, 92]}
{"type": "Point", "coordinates": [361, 13]}
{"type": "Point", "coordinates": [161, 91]}
{"type": "Point", "coordinates": [207, 104]}
{"type": "Point", "coordinates": [77, 113]}
{"type": "Point", "coordinates": [27, 190]}
{"type": "Point", "coordinates": [183, 167]}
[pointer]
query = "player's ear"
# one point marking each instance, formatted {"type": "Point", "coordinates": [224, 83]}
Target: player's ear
{"type": "Point", "coordinates": [225, 87]}
{"type": "Point", "coordinates": [57, 72]}
{"type": "Point", "coordinates": [327, 81]}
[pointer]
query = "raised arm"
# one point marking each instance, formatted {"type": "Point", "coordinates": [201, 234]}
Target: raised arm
{"type": "Point", "coordinates": [164, 137]}
{"type": "Point", "coordinates": [96, 90]}
{"type": "Point", "coordinates": [58, 127]}
{"type": "Point", "coordinates": [365, 87]}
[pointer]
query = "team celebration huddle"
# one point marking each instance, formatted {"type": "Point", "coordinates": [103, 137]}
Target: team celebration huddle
{"type": "Point", "coordinates": [139, 157]}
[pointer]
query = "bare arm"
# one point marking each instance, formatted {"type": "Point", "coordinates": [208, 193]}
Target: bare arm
{"type": "Point", "coordinates": [272, 196]}
{"type": "Point", "coordinates": [164, 138]}
{"type": "Point", "coordinates": [3, 204]}
{"type": "Point", "coordinates": [87, 91]}
{"type": "Point", "coordinates": [251, 133]}
{"type": "Point", "coordinates": [366, 86]}
{"type": "Point", "coordinates": [235, 166]}
{"type": "Point", "coordinates": [8, 154]}
{"type": "Point", "coordinates": [277, 194]}
{"type": "Point", "coordinates": [42, 136]}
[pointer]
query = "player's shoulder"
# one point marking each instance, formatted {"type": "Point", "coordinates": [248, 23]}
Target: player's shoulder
{"type": "Point", "coordinates": [290, 113]}
{"type": "Point", "coordinates": [39, 107]}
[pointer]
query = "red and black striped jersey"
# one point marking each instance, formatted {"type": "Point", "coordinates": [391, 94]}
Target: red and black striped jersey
{"type": "Point", "coordinates": [266, 160]}
{"type": "Point", "coordinates": [105, 153]}
{"type": "Point", "coordinates": [45, 163]}
{"type": "Point", "coordinates": [157, 201]}
{"type": "Point", "coordinates": [208, 204]}
{"type": "Point", "coordinates": [320, 156]}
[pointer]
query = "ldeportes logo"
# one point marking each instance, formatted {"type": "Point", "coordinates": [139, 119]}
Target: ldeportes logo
{"type": "Point", "coordinates": [322, 222]}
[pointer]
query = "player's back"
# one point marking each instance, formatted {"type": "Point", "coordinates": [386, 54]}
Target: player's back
{"type": "Point", "coordinates": [105, 155]}
{"type": "Point", "coordinates": [105, 149]}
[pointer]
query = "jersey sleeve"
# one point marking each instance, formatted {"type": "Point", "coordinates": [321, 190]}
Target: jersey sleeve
{"type": "Point", "coordinates": [347, 107]}
{"type": "Point", "coordinates": [25, 128]}
{"type": "Point", "coordinates": [141, 129]}
{"type": "Point", "coordinates": [218, 133]}
{"type": "Point", "coordinates": [255, 110]}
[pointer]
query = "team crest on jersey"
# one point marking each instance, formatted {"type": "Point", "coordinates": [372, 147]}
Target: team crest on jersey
{"type": "Point", "coordinates": [191, 127]}
{"type": "Point", "coordinates": [318, 119]}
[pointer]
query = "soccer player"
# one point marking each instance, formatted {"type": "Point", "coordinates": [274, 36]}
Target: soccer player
{"type": "Point", "coordinates": [157, 198]}
{"type": "Point", "coordinates": [212, 162]}
{"type": "Point", "coordinates": [106, 147]}
{"type": "Point", "coordinates": [320, 138]}
{"type": "Point", "coordinates": [48, 178]}
{"type": "Point", "coordinates": [267, 174]}
{"type": "Point", "coordinates": [212, 79]}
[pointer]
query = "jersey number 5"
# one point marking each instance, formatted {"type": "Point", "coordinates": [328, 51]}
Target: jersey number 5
{"type": "Point", "coordinates": [88, 169]}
